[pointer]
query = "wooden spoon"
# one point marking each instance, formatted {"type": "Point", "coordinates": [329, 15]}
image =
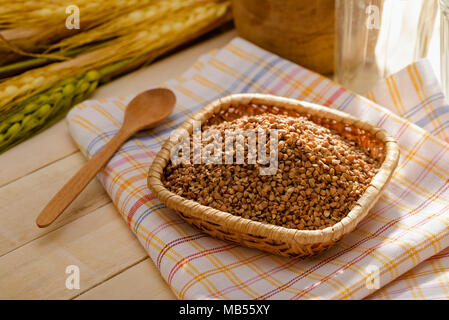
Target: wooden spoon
{"type": "Point", "coordinates": [146, 110]}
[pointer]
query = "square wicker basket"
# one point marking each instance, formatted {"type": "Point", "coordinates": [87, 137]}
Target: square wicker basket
{"type": "Point", "coordinates": [267, 237]}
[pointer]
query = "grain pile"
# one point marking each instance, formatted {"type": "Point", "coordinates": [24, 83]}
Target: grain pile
{"type": "Point", "coordinates": [320, 176]}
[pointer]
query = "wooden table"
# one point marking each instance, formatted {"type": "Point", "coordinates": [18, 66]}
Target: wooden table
{"type": "Point", "coordinates": [90, 234]}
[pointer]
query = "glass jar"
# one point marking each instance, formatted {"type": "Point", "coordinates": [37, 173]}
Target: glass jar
{"type": "Point", "coordinates": [444, 5]}
{"type": "Point", "coordinates": [375, 38]}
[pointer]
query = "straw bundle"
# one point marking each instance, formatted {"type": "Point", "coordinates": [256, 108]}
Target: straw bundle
{"type": "Point", "coordinates": [113, 47]}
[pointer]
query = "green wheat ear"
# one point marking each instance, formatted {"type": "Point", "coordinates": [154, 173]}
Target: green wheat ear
{"type": "Point", "coordinates": [41, 110]}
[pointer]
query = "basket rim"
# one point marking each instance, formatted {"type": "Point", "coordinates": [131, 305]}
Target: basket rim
{"type": "Point", "coordinates": [239, 224]}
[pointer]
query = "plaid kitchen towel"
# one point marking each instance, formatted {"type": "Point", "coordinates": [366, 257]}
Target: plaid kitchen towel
{"type": "Point", "coordinates": [407, 226]}
{"type": "Point", "coordinates": [415, 94]}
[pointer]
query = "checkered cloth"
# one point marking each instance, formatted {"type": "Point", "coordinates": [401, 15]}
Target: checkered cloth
{"type": "Point", "coordinates": [406, 228]}
{"type": "Point", "coordinates": [415, 94]}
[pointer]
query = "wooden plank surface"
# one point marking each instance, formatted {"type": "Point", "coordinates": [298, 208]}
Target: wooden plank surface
{"type": "Point", "coordinates": [133, 283]}
{"type": "Point", "coordinates": [20, 228]}
{"type": "Point", "coordinates": [90, 234]}
{"type": "Point", "coordinates": [98, 243]}
{"type": "Point", "coordinates": [39, 151]}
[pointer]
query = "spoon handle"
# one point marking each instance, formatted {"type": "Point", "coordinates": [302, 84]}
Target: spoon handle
{"type": "Point", "coordinates": [80, 180]}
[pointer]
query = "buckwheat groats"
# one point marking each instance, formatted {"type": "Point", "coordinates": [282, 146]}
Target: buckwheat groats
{"type": "Point", "coordinates": [320, 174]}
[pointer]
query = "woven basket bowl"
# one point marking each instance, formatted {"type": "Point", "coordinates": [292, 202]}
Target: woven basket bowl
{"type": "Point", "coordinates": [267, 237]}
